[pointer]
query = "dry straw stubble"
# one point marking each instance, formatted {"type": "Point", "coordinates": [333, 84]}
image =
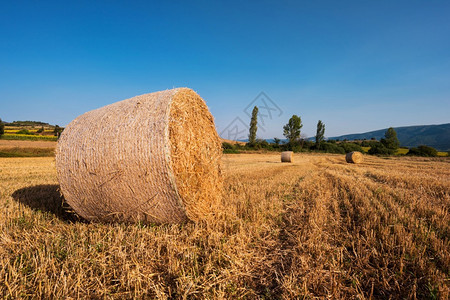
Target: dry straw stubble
{"type": "Point", "coordinates": [315, 229]}
{"type": "Point", "coordinates": [153, 158]}
{"type": "Point", "coordinates": [354, 157]}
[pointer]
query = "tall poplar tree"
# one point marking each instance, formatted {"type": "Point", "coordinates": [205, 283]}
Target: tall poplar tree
{"type": "Point", "coordinates": [253, 126]}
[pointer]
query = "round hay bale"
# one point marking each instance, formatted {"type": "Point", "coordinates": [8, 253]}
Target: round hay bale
{"type": "Point", "coordinates": [287, 156]}
{"type": "Point", "coordinates": [355, 157]}
{"type": "Point", "coordinates": [153, 158]}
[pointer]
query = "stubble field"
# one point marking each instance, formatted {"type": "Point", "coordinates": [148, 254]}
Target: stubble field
{"type": "Point", "coordinates": [316, 228]}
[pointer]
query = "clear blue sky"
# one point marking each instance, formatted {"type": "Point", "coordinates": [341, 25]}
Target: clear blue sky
{"type": "Point", "coordinates": [356, 65]}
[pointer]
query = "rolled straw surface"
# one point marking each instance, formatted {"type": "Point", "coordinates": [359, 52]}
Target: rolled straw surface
{"type": "Point", "coordinates": [355, 157]}
{"type": "Point", "coordinates": [153, 158]}
{"type": "Point", "coordinates": [287, 156]}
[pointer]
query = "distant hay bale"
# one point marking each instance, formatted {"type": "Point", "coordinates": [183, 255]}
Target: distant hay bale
{"type": "Point", "coordinates": [287, 156]}
{"type": "Point", "coordinates": [355, 157]}
{"type": "Point", "coordinates": [153, 158]}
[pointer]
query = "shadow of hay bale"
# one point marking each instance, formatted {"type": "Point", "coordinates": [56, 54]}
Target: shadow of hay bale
{"type": "Point", "coordinates": [47, 198]}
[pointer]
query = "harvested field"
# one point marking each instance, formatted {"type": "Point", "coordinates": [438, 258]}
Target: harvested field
{"type": "Point", "coordinates": [26, 152]}
{"type": "Point", "coordinates": [233, 142]}
{"type": "Point", "coordinates": [26, 144]}
{"type": "Point", "coordinates": [317, 227]}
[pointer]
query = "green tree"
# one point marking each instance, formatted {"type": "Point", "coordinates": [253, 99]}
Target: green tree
{"type": "Point", "coordinates": [2, 128]}
{"type": "Point", "coordinates": [320, 133]}
{"type": "Point", "coordinates": [276, 141]}
{"type": "Point", "coordinates": [391, 141]}
{"type": "Point", "coordinates": [253, 126]}
{"type": "Point", "coordinates": [57, 131]}
{"type": "Point", "coordinates": [292, 129]}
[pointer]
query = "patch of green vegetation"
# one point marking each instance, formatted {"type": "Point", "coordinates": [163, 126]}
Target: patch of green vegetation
{"type": "Point", "coordinates": [26, 137]}
{"type": "Point", "coordinates": [24, 131]}
{"type": "Point", "coordinates": [405, 151]}
{"type": "Point", "coordinates": [402, 151]}
{"type": "Point", "coordinates": [332, 148]}
{"type": "Point", "coordinates": [230, 148]}
{"type": "Point", "coordinates": [26, 152]}
{"type": "Point", "coordinates": [423, 150]}
{"type": "Point", "coordinates": [233, 151]}
{"type": "Point", "coordinates": [350, 147]}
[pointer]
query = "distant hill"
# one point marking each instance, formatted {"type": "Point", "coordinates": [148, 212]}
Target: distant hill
{"type": "Point", "coordinates": [436, 136]}
{"type": "Point", "coordinates": [26, 123]}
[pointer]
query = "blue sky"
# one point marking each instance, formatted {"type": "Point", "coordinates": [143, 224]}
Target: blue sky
{"type": "Point", "coordinates": [355, 65]}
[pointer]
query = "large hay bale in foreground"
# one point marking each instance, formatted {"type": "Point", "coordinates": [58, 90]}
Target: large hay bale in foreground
{"type": "Point", "coordinates": [287, 156]}
{"type": "Point", "coordinates": [355, 157]}
{"type": "Point", "coordinates": [153, 158]}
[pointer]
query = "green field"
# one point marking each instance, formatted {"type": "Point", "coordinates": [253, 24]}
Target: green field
{"type": "Point", "coordinates": [28, 131]}
{"type": "Point", "coordinates": [27, 137]}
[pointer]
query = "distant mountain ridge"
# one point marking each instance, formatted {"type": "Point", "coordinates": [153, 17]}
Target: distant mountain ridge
{"type": "Point", "coordinates": [436, 136]}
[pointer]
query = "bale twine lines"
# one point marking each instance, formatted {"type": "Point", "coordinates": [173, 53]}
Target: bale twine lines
{"type": "Point", "coordinates": [287, 156]}
{"type": "Point", "coordinates": [153, 158]}
{"type": "Point", "coordinates": [355, 157]}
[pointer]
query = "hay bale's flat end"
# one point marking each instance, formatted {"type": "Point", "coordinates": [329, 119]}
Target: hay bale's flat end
{"type": "Point", "coordinates": [287, 156]}
{"type": "Point", "coordinates": [354, 157]}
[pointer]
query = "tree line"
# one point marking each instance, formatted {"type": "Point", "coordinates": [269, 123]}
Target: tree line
{"type": "Point", "coordinates": [56, 129]}
{"type": "Point", "coordinates": [292, 132]}
{"type": "Point", "coordinates": [388, 145]}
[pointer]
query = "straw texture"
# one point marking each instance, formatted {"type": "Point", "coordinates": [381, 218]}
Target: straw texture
{"type": "Point", "coordinates": [287, 156]}
{"type": "Point", "coordinates": [153, 158]}
{"type": "Point", "coordinates": [354, 157]}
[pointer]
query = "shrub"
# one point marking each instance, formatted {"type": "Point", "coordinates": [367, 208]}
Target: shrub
{"type": "Point", "coordinates": [262, 143]}
{"type": "Point", "coordinates": [230, 151]}
{"type": "Point", "coordinates": [365, 143]}
{"type": "Point", "coordinates": [24, 131]}
{"type": "Point", "coordinates": [332, 148]}
{"type": "Point", "coordinates": [226, 145]}
{"type": "Point", "coordinates": [423, 150]}
{"type": "Point", "coordinates": [2, 127]}
{"type": "Point", "coordinates": [350, 147]}
{"type": "Point", "coordinates": [297, 148]}
{"type": "Point", "coordinates": [229, 148]}
{"type": "Point", "coordinates": [253, 146]}
{"type": "Point", "coordinates": [379, 148]}
{"type": "Point", "coordinates": [289, 146]}
{"type": "Point", "coordinates": [310, 145]}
